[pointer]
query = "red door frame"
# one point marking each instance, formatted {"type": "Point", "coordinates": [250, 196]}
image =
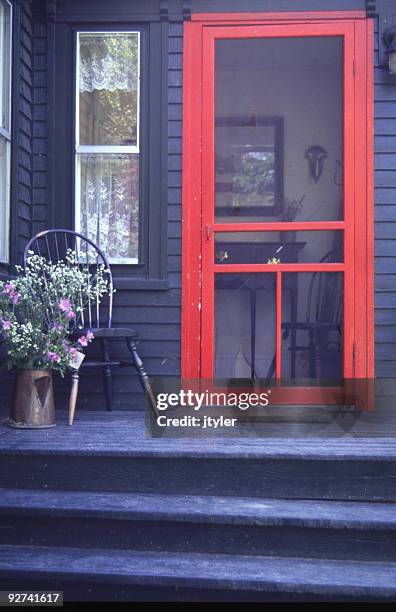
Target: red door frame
{"type": "Point", "coordinates": [198, 136]}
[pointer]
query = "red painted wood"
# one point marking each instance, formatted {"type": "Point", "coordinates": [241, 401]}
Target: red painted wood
{"type": "Point", "coordinates": [208, 195]}
{"type": "Point", "coordinates": [274, 30]}
{"type": "Point", "coordinates": [361, 198]}
{"type": "Point", "coordinates": [281, 16]}
{"type": "Point", "coordinates": [279, 226]}
{"type": "Point", "coordinates": [282, 267]}
{"type": "Point", "coordinates": [369, 120]}
{"type": "Point", "coordinates": [358, 267]}
{"type": "Point", "coordinates": [191, 236]}
{"type": "Point", "coordinates": [278, 353]}
{"type": "Point", "coordinates": [349, 199]}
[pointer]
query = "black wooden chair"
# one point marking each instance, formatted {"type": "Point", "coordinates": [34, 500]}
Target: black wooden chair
{"type": "Point", "coordinates": [53, 244]}
{"type": "Point", "coordinates": [323, 320]}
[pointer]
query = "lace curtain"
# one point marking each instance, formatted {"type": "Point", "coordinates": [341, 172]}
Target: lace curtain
{"type": "Point", "coordinates": [108, 62]}
{"type": "Point", "coordinates": [109, 213]}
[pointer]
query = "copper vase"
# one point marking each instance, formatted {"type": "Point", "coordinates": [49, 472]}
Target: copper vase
{"type": "Point", "coordinates": [33, 402]}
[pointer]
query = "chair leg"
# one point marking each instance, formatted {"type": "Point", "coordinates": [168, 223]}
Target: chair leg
{"type": "Point", "coordinates": [107, 375]}
{"type": "Point", "coordinates": [143, 378]}
{"type": "Point", "coordinates": [73, 395]}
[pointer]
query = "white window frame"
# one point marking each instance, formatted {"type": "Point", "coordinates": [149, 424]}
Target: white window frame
{"type": "Point", "coordinates": [5, 134]}
{"type": "Point", "coordinates": [99, 148]}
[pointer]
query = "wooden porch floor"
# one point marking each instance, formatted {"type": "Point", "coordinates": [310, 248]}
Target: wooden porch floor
{"type": "Point", "coordinates": [124, 433]}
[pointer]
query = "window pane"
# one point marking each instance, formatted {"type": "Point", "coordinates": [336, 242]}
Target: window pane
{"type": "Point", "coordinates": [4, 197]}
{"type": "Point", "coordinates": [279, 247]}
{"type": "Point", "coordinates": [108, 88]}
{"type": "Point", "coordinates": [5, 59]}
{"type": "Point", "coordinates": [109, 203]}
{"type": "Point", "coordinates": [279, 129]}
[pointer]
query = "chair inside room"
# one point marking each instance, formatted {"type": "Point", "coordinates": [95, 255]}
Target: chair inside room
{"type": "Point", "coordinates": [322, 327]}
{"type": "Point", "coordinates": [97, 315]}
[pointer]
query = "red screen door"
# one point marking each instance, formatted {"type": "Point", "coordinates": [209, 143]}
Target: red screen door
{"type": "Point", "coordinates": [283, 238]}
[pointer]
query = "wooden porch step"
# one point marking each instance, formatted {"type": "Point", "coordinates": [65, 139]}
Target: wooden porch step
{"type": "Point", "coordinates": [287, 469]}
{"type": "Point", "coordinates": [296, 528]}
{"type": "Point", "coordinates": [232, 573]}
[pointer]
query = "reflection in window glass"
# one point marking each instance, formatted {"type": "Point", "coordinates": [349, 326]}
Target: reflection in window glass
{"type": "Point", "coordinates": [5, 126]}
{"type": "Point", "coordinates": [109, 86]}
{"type": "Point", "coordinates": [107, 138]}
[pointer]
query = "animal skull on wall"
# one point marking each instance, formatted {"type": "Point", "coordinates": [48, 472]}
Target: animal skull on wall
{"type": "Point", "coordinates": [316, 156]}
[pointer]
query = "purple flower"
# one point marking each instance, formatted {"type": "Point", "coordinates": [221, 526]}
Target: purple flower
{"type": "Point", "coordinates": [53, 357]}
{"type": "Point", "coordinates": [83, 341]}
{"type": "Point", "coordinates": [8, 289]}
{"type": "Point", "coordinates": [65, 305]}
{"type": "Point", "coordinates": [71, 315]}
{"type": "Point", "coordinates": [90, 336]}
{"type": "Point", "coordinates": [57, 326]}
{"type": "Point", "coordinates": [6, 324]}
{"type": "Point", "coordinates": [73, 351]}
{"type": "Point", "coordinates": [16, 296]}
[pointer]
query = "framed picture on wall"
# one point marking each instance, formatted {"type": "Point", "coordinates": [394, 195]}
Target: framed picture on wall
{"type": "Point", "coordinates": [249, 166]}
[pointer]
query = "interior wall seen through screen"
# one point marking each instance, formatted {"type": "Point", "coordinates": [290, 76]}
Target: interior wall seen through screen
{"type": "Point", "coordinates": [245, 324]}
{"type": "Point", "coordinates": [279, 131]}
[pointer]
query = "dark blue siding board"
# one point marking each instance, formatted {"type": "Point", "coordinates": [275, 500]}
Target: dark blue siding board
{"type": "Point", "coordinates": [175, 95]}
{"type": "Point", "coordinates": [174, 179]}
{"type": "Point", "coordinates": [39, 213]}
{"type": "Point", "coordinates": [384, 316]}
{"type": "Point", "coordinates": [385, 162]}
{"type": "Point", "coordinates": [383, 110]}
{"type": "Point", "coordinates": [174, 145]}
{"type": "Point", "coordinates": [385, 300]}
{"type": "Point", "coordinates": [174, 263]}
{"type": "Point", "coordinates": [385, 213]}
{"type": "Point", "coordinates": [175, 230]}
{"type": "Point", "coordinates": [384, 127]}
{"type": "Point", "coordinates": [175, 61]}
{"type": "Point", "coordinates": [384, 282]}
{"type": "Point", "coordinates": [385, 217]}
{"type": "Point", "coordinates": [385, 178]}
{"type": "Point", "coordinates": [174, 214]}
{"type": "Point", "coordinates": [385, 144]}
{"type": "Point", "coordinates": [385, 196]}
{"type": "Point", "coordinates": [39, 197]}
{"type": "Point", "coordinates": [386, 351]}
{"type": "Point", "coordinates": [386, 265]}
{"type": "Point", "coordinates": [386, 334]}
{"type": "Point", "coordinates": [175, 162]}
{"type": "Point", "coordinates": [385, 93]}
{"type": "Point", "coordinates": [174, 195]}
{"type": "Point", "coordinates": [384, 248]}
{"type": "Point", "coordinates": [385, 369]}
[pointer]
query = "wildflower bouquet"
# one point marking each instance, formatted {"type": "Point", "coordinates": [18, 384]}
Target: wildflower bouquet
{"type": "Point", "coordinates": [41, 309]}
